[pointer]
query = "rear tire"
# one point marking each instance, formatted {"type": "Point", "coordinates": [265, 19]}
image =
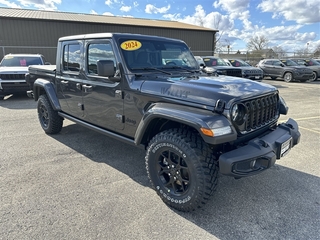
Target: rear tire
{"type": "Point", "coordinates": [288, 77]}
{"type": "Point", "coordinates": [182, 169]}
{"type": "Point", "coordinates": [49, 119]}
{"type": "Point", "coordinates": [314, 77]}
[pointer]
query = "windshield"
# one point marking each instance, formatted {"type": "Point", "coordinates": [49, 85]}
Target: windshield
{"type": "Point", "coordinates": [214, 62]}
{"type": "Point", "coordinates": [289, 63]}
{"type": "Point", "coordinates": [312, 62]}
{"type": "Point", "coordinates": [239, 63]}
{"type": "Point", "coordinates": [20, 61]}
{"type": "Point", "coordinates": [149, 54]}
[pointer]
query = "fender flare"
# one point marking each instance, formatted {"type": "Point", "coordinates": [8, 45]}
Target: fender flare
{"type": "Point", "coordinates": [194, 117]}
{"type": "Point", "coordinates": [49, 88]}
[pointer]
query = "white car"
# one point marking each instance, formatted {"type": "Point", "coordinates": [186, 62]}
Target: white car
{"type": "Point", "coordinates": [13, 68]}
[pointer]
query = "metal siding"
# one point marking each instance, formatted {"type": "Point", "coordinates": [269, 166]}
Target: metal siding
{"type": "Point", "coordinates": [45, 33]}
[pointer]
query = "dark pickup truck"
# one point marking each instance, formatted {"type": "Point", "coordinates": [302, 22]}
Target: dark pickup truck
{"type": "Point", "coordinates": [149, 91]}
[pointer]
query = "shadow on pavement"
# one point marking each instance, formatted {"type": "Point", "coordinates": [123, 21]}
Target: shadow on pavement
{"type": "Point", "coordinates": [280, 203]}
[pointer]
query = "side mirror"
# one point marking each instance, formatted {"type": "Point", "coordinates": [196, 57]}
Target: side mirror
{"type": "Point", "coordinates": [106, 69]}
{"type": "Point", "coordinates": [282, 65]}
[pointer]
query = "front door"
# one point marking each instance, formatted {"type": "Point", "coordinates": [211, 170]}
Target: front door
{"type": "Point", "coordinates": [102, 98]}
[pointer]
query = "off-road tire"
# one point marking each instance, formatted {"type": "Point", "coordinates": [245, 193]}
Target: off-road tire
{"type": "Point", "coordinates": [288, 77]}
{"type": "Point", "coordinates": [49, 119]}
{"type": "Point", "coordinates": [182, 169]}
{"type": "Point", "coordinates": [314, 77]}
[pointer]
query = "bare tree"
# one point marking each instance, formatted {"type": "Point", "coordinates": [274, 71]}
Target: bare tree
{"type": "Point", "coordinates": [257, 43]}
{"type": "Point", "coordinates": [279, 50]}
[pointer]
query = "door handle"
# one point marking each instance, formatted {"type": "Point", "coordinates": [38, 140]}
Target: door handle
{"type": "Point", "coordinates": [64, 82]}
{"type": "Point", "coordinates": [86, 88]}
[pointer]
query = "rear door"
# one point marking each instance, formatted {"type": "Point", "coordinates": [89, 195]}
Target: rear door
{"type": "Point", "coordinates": [268, 67]}
{"type": "Point", "coordinates": [278, 68]}
{"type": "Point", "coordinates": [69, 80]}
{"type": "Point", "coordinates": [102, 98]}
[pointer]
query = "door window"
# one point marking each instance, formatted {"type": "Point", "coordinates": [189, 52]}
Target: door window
{"type": "Point", "coordinates": [71, 57]}
{"type": "Point", "coordinates": [96, 52]}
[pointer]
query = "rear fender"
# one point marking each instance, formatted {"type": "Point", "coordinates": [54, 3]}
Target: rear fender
{"type": "Point", "coordinates": [195, 118]}
{"type": "Point", "coordinates": [42, 85]}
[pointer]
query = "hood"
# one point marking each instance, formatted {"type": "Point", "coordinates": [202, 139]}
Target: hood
{"type": "Point", "coordinates": [251, 68]}
{"type": "Point", "coordinates": [300, 68]}
{"type": "Point", "coordinates": [205, 90]}
{"type": "Point", "coordinates": [13, 70]}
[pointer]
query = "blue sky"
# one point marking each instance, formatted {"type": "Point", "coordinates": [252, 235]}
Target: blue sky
{"type": "Point", "coordinates": [290, 24]}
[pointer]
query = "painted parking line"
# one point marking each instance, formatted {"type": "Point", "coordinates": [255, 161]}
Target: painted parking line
{"type": "Point", "coordinates": [308, 118]}
{"type": "Point", "coordinates": [308, 129]}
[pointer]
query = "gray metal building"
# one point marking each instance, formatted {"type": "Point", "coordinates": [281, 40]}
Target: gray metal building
{"type": "Point", "coordinates": [34, 31]}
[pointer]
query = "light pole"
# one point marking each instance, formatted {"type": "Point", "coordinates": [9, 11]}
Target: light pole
{"type": "Point", "coordinates": [307, 48]}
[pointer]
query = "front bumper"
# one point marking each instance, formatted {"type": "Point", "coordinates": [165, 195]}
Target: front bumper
{"type": "Point", "coordinates": [260, 153]}
{"type": "Point", "coordinates": [302, 77]}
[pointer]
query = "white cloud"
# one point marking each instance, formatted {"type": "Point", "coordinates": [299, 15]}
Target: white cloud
{"type": "Point", "coordinates": [125, 8]}
{"type": "Point", "coordinates": [93, 12]}
{"type": "Point", "coordinates": [111, 2]}
{"type": "Point", "coordinates": [135, 4]}
{"type": "Point", "coordinates": [107, 14]}
{"type": "Point", "coordinates": [108, 2]}
{"type": "Point", "coordinates": [234, 8]}
{"type": "Point", "coordinates": [41, 4]}
{"type": "Point", "coordinates": [9, 4]}
{"type": "Point", "coordinates": [300, 11]}
{"type": "Point", "coordinates": [151, 9]}
{"type": "Point", "coordinates": [213, 20]}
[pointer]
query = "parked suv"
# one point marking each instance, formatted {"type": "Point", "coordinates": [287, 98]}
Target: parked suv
{"type": "Point", "coordinates": [13, 68]}
{"type": "Point", "coordinates": [221, 67]}
{"type": "Point", "coordinates": [310, 63]}
{"type": "Point", "coordinates": [248, 71]}
{"type": "Point", "coordinates": [288, 70]}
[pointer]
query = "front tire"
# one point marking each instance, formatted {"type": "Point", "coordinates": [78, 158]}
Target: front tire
{"type": "Point", "coordinates": [288, 77]}
{"type": "Point", "coordinates": [182, 169]}
{"type": "Point", "coordinates": [314, 77]}
{"type": "Point", "coordinates": [49, 119]}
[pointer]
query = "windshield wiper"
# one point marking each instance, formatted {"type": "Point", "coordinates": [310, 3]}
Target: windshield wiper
{"type": "Point", "coordinates": [178, 67]}
{"type": "Point", "coordinates": [152, 68]}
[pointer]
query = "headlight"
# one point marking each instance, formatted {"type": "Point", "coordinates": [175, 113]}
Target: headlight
{"type": "Point", "coordinates": [222, 72]}
{"type": "Point", "coordinates": [238, 112]}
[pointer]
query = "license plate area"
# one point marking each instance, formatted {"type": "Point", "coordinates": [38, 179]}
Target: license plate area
{"type": "Point", "coordinates": [284, 145]}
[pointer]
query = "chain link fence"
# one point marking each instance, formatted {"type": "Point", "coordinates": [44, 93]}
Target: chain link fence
{"type": "Point", "coordinates": [251, 57]}
{"type": "Point", "coordinates": [255, 56]}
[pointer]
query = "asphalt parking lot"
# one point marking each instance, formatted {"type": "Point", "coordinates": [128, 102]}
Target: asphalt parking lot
{"type": "Point", "coordinates": [82, 185]}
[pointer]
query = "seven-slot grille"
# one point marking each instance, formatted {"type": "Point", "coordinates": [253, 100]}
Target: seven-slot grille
{"type": "Point", "coordinates": [260, 111]}
{"type": "Point", "coordinates": [12, 76]}
{"type": "Point", "coordinates": [234, 72]}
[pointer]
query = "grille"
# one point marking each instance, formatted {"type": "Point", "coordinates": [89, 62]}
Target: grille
{"type": "Point", "coordinates": [12, 76]}
{"type": "Point", "coordinates": [261, 111]}
{"type": "Point", "coordinates": [234, 72]}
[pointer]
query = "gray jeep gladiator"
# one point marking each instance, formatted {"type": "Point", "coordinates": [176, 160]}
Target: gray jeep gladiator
{"type": "Point", "coordinates": [149, 91]}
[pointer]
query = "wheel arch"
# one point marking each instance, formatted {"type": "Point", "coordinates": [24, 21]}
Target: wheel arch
{"type": "Point", "coordinates": [43, 86]}
{"type": "Point", "coordinates": [162, 116]}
